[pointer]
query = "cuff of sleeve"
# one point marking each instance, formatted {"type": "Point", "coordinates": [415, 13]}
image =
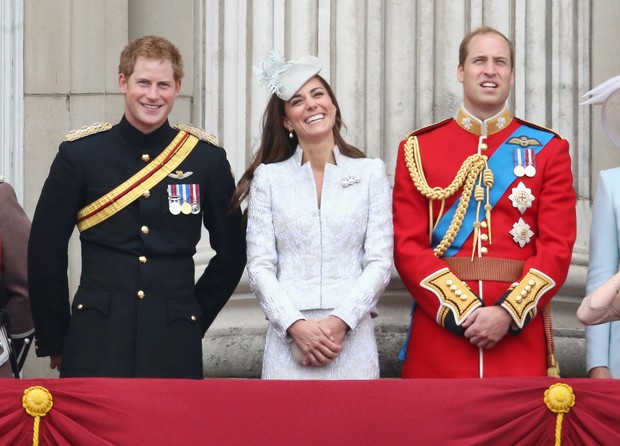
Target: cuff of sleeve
{"type": "Point", "coordinates": [447, 321]}
{"type": "Point", "coordinates": [43, 350]}
{"type": "Point", "coordinates": [22, 335]}
{"type": "Point", "coordinates": [348, 319]}
{"type": "Point", "coordinates": [282, 329]}
{"type": "Point", "coordinates": [454, 296]}
{"type": "Point", "coordinates": [522, 297]}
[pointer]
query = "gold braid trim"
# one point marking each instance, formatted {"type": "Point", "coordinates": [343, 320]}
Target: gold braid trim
{"type": "Point", "coordinates": [466, 177]}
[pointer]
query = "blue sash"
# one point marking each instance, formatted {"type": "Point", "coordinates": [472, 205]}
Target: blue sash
{"type": "Point", "coordinates": [501, 164]}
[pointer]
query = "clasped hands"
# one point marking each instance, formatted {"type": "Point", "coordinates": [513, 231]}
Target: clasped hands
{"type": "Point", "coordinates": [486, 326]}
{"type": "Point", "coordinates": [320, 340]}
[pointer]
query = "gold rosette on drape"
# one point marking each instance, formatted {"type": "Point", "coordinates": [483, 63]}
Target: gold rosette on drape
{"type": "Point", "coordinates": [559, 399]}
{"type": "Point", "coordinates": [37, 402]}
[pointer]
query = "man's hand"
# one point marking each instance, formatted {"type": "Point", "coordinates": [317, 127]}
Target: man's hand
{"type": "Point", "coordinates": [486, 326]}
{"type": "Point", "coordinates": [56, 362]}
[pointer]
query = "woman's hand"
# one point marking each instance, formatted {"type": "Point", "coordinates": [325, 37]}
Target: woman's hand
{"type": "Point", "coordinates": [334, 328]}
{"type": "Point", "coordinates": [600, 373]}
{"type": "Point", "coordinates": [318, 348]}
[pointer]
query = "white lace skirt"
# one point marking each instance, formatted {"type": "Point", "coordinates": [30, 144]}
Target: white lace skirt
{"type": "Point", "coordinates": [358, 359]}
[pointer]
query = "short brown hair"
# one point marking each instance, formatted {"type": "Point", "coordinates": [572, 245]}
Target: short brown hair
{"type": "Point", "coordinates": [154, 48]}
{"type": "Point", "coordinates": [483, 30]}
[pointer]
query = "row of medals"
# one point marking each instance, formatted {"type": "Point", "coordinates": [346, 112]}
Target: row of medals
{"type": "Point", "coordinates": [524, 162]}
{"type": "Point", "coordinates": [176, 207]}
{"type": "Point", "coordinates": [184, 203]}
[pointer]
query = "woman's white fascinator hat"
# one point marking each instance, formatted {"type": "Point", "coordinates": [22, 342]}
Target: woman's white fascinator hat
{"type": "Point", "coordinates": [608, 93]}
{"type": "Point", "coordinates": [285, 78]}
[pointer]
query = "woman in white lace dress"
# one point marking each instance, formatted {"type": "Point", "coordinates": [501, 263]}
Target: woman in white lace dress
{"type": "Point", "coordinates": [319, 237]}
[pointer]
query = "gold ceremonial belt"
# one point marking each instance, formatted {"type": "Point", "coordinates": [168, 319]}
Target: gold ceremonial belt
{"type": "Point", "coordinates": [486, 268]}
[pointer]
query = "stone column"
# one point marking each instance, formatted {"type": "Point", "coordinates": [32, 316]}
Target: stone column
{"type": "Point", "coordinates": [12, 94]}
{"type": "Point", "coordinates": [393, 68]}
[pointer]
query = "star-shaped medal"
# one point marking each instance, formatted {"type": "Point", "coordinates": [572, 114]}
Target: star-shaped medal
{"type": "Point", "coordinates": [521, 197]}
{"type": "Point", "coordinates": [521, 233]}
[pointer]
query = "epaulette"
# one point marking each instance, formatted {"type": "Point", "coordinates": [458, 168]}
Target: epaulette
{"type": "Point", "coordinates": [87, 130]}
{"type": "Point", "coordinates": [198, 133]}
{"type": "Point", "coordinates": [428, 128]}
{"type": "Point", "coordinates": [539, 127]}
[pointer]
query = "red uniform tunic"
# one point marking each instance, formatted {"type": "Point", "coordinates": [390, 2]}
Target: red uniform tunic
{"type": "Point", "coordinates": [436, 349]}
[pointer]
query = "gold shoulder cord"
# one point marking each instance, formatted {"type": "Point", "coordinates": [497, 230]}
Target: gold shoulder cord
{"type": "Point", "coordinates": [473, 169]}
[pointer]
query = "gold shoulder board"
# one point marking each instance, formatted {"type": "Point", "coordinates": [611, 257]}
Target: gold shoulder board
{"type": "Point", "coordinates": [198, 133]}
{"type": "Point", "coordinates": [87, 130]}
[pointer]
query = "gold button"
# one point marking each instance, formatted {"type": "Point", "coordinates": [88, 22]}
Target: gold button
{"type": "Point", "coordinates": [519, 299]}
{"type": "Point", "coordinates": [531, 282]}
{"type": "Point", "coordinates": [146, 158]}
{"type": "Point", "coordinates": [484, 250]}
{"type": "Point", "coordinates": [80, 306]}
{"type": "Point", "coordinates": [483, 224]}
{"type": "Point", "coordinates": [448, 282]}
{"type": "Point", "coordinates": [194, 318]}
{"type": "Point", "coordinates": [146, 194]}
{"type": "Point", "coordinates": [457, 293]}
{"type": "Point", "coordinates": [144, 229]}
{"type": "Point", "coordinates": [484, 237]}
{"type": "Point", "coordinates": [483, 146]}
{"type": "Point", "coordinates": [142, 259]}
{"type": "Point", "coordinates": [141, 294]}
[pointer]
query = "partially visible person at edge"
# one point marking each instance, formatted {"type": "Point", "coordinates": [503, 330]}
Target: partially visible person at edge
{"type": "Point", "coordinates": [139, 192]}
{"type": "Point", "coordinates": [484, 223]}
{"type": "Point", "coordinates": [319, 231]}
{"type": "Point", "coordinates": [15, 318]}
{"type": "Point", "coordinates": [600, 310]}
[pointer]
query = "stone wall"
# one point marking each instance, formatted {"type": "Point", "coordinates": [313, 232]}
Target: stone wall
{"type": "Point", "coordinates": [392, 65]}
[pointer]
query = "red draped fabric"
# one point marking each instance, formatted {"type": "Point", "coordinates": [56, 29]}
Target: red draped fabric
{"type": "Point", "coordinates": [492, 411]}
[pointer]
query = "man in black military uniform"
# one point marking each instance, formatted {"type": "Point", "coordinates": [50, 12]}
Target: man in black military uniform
{"type": "Point", "coordinates": [139, 192]}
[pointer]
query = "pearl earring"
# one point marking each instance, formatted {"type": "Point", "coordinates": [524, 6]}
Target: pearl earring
{"type": "Point", "coordinates": [290, 134]}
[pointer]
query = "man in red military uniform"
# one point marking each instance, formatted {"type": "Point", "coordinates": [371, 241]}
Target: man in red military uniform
{"type": "Point", "coordinates": [484, 225]}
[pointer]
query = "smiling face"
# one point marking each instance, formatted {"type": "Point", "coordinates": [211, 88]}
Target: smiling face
{"type": "Point", "coordinates": [150, 92]}
{"type": "Point", "coordinates": [311, 113]}
{"type": "Point", "coordinates": [486, 74]}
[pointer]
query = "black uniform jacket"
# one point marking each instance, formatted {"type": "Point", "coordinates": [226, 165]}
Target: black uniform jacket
{"type": "Point", "coordinates": [138, 311]}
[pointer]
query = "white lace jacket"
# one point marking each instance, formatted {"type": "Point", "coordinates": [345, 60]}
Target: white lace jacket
{"type": "Point", "coordinates": [337, 257]}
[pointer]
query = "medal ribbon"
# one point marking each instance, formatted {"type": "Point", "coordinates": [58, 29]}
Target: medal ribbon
{"type": "Point", "coordinates": [126, 193]}
{"type": "Point", "coordinates": [501, 164]}
{"type": "Point", "coordinates": [195, 194]}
